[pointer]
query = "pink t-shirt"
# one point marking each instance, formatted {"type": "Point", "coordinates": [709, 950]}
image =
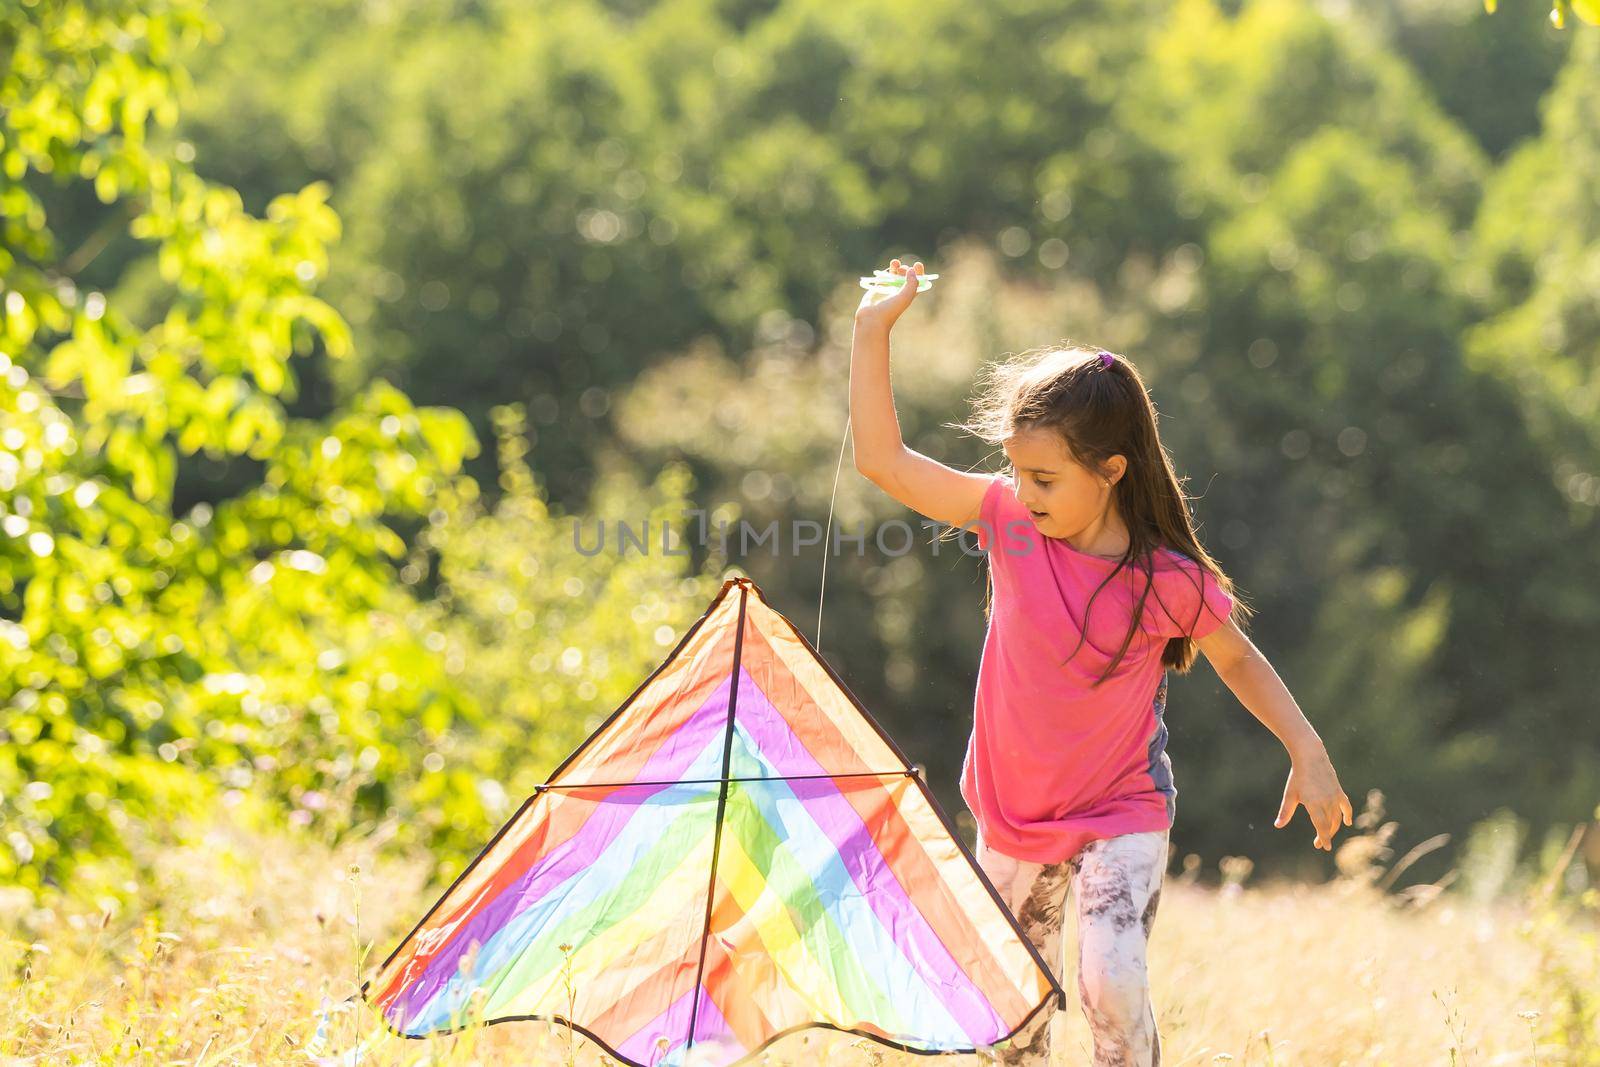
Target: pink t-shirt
{"type": "Point", "coordinates": [1053, 764]}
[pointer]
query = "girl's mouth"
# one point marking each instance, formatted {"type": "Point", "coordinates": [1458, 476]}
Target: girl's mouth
{"type": "Point", "coordinates": [1037, 515]}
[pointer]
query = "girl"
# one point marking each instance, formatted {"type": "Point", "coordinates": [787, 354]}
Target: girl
{"type": "Point", "coordinates": [1098, 585]}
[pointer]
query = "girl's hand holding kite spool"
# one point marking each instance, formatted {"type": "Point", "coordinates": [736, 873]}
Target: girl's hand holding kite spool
{"type": "Point", "coordinates": [890, 292]}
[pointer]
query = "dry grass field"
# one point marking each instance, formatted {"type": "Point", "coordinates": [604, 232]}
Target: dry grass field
{"type": "Point", "coordinates": [244, 948]}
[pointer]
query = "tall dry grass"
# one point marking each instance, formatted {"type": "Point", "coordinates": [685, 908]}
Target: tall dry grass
{"type": "Point", "coordinates": [245, 946]}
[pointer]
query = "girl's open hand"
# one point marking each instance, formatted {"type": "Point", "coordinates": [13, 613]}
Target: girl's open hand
{"type": "Point", "coordinates": [879, 310]}
{"type": "Point", "coordinates": [1314, 785]}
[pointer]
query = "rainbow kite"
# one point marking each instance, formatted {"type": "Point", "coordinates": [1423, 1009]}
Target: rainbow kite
{"type": "Point", "coordinates": [737, 853]}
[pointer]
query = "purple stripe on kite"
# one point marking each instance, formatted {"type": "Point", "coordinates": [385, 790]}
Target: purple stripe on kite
{"type": "Point", "coordinates": [712, 1035]}
{"type": "Point", "coordinates": [566, 858]}
{"type": "Point", "coordinates": [839, 820]}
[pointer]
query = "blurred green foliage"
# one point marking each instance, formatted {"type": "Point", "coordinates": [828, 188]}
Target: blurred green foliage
{"type": "Point", "coordinates": [547, 628]}
{"type": "Point", "coordinates": [150, 659]}
{"type": "Point", "coordinates": [270, 642]}
{"type": "Point", "coordinates": [1351, 249]}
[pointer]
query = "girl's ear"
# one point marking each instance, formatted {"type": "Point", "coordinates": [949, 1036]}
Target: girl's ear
{"type": "Point", "coordinates": [1116, 467]}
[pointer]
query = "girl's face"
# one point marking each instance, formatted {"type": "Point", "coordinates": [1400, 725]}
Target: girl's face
{"type": "Point", "coordinates": [1063, 496]}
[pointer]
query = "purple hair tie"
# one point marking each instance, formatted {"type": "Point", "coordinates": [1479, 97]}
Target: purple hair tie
{"type": "Point", "coordinates": [1106, 358]}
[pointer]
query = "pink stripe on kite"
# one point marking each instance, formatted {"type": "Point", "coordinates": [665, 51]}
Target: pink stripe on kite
{"type": "Point", "coordinates": [672, 1024]}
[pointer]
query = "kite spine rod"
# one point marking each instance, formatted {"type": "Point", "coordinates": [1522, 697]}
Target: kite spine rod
{"type": "Point", "coordinates": [714, 781]}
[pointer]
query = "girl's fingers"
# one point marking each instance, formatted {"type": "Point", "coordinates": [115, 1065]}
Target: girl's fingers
{"type": "Point", "coordinates": [1286, 809]}
{"type": "Point", "coordinates": [1332, 816]}
{"type": "Point", "coordinates": [908, 291]}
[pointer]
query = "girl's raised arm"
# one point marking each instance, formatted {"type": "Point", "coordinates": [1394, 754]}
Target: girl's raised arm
{"type": "Point", "coordinates": [919, 482]}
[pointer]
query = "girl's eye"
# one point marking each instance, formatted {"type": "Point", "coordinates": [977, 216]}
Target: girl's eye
{"type": "Point", "coordinates": [1042, 484]}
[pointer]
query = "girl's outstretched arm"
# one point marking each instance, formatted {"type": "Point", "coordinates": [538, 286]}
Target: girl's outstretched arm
{"type": "Point", "coordinates": [919, 482]}
{"type": "Point", "coordinates": [1313, 783]}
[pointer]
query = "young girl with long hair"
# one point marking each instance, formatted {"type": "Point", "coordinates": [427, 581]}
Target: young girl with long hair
{"type": "Point", "coordinates": [1098, 586]}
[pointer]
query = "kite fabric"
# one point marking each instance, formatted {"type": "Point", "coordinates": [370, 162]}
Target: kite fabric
{"type": "Point", "coordinates": [738, 852]}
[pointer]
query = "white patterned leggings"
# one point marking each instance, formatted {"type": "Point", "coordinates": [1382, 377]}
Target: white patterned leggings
{"type": "Point", "coordinates": [1116, 882]}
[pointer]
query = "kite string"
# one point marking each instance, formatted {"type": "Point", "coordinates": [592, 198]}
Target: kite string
{"type": "Point", "coordinates": [823, 585]}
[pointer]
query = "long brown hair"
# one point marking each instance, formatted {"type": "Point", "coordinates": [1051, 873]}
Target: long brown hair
{"type": "Point", "coordinates": [1099, 412]}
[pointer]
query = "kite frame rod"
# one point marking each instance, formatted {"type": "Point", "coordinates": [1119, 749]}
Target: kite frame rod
{"type": "Point", "coordinates": [695, 990]}
{"type": "Point", "coordinates": [714, 781]}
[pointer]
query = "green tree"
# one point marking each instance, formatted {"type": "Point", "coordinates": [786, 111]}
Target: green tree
{"type": "Point", "coordinates": [1375, 340]}
{"type": "Point", "coordinates": [1377, 470]}
{"type": "Point", "coordinates": [549, 621]}
{"type": "Point", "coordinates": [152, 661]}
